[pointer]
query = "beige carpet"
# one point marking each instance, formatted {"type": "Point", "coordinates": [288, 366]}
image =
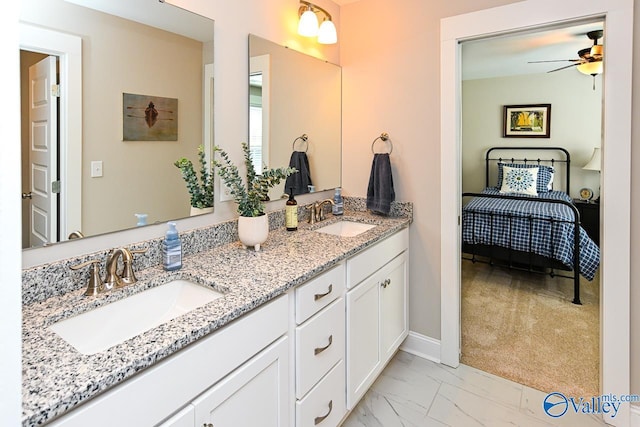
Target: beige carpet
{"type": "Point", "coordinates": [523, 327]}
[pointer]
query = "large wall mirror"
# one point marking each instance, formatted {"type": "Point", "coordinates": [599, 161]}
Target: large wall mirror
{"type": "Point", "coordinates": [292, 94]}
{"type": "Point", "coordinates": [85, 169]}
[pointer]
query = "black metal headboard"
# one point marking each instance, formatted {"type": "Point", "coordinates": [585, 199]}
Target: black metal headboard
{"type": "Point", "coordinates": [565, 159]}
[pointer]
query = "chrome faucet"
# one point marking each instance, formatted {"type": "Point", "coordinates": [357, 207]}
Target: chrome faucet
{"type": "Point", "coordinates": [316, 213]}
{"type": "Point", "coordinates": [128, 276]}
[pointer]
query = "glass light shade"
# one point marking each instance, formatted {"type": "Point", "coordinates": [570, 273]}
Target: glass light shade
{"type": "Point", "coordinates": [590, 68]}
{"type": "Point", "coordinates": [594, 163]}
{"type": "Point", "coordinates": [327, 33]}
{"type": "Point", "coordinates": [308, 25]}
{"type": "Point", "coordinates": [596, 50]}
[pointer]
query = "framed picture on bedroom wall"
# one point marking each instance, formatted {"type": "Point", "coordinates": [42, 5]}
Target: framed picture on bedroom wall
{"type": "Point", "coordinates": [527, 121]}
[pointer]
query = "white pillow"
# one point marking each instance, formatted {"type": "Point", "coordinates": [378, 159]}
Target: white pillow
{"type": "Point", "coordinates": [519, 181]}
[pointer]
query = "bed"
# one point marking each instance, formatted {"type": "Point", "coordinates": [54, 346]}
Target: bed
{"type": "Point", "coordinates": [525, 219]}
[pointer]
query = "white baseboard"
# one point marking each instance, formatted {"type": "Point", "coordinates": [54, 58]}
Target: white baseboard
{"type": "Point", "coordinates": [635, 416]}
{"type": "Point", "coordinates": [422, 346]}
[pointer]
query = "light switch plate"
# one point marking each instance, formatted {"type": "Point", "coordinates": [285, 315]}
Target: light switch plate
{"type": "Point", "coordinates": [96, 169]}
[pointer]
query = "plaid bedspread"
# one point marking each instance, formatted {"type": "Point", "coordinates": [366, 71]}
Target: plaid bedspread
{"type": "Point", "coordinates": [486, 221]}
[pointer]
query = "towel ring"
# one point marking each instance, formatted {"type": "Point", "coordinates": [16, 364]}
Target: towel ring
{"type": "Point", "coordinates": [304, 138]}
{"type": "Point", "coordinates": [384, 137]}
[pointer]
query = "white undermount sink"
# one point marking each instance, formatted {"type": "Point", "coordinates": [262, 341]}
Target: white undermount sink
{"type": "Point", "coordinates": [99, 329]}
{"type": "Point", "coordinates": [345, 228]}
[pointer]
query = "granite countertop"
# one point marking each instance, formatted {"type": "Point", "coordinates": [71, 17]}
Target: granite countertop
{"type": "Point", "coordinates": [56, 377]}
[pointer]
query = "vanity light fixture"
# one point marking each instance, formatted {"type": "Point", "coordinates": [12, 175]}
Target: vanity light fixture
{"type": "Point", "coordinates": [308, 24]}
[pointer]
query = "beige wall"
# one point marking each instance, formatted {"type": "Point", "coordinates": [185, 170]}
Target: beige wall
{"type": "Point", "coordinates": [390, 57]}
{"type": "Point", "coordinates": [390, 54]}
{"type": "Point", "coordinates": [575, 121]}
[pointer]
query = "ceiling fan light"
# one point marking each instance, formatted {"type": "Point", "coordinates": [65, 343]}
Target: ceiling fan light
{"type": "Point", "coordinates": [308, 24]}
{"type": "Point", "coordinates": [327, 33]}
{"type": "Point", "coordinates": [590, 68]}
{"type": "Point", "coordinates": [596, 51]}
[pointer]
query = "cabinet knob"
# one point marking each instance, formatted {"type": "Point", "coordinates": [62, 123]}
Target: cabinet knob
{"type": "Point", "coordinates": [316, 297]}
{"type": "Point", "coordinates": [319, 350]}
{"type": "Point", "coordinates": [318, 420]}
{"type": "Point", "coordinates": [386, 283]}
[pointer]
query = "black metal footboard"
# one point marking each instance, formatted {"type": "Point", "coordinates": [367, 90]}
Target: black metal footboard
{"type": "Point", "coordinates": [528, 260]}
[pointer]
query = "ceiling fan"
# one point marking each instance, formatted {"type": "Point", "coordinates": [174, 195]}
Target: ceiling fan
{"type": "Point", "coordinates": [590, 59]}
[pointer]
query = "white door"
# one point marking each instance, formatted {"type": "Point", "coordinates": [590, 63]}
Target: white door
{"type": "Point", "coordinates": [43, 152]}
{"type": "Point", "coordinates": [256, 394]}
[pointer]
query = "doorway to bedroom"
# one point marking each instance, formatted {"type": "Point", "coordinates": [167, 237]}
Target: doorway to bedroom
{"type": "Point", "coordinates": [517, 324]}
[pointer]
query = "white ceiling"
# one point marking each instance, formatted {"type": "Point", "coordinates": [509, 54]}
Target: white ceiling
{"type": "Point", "coordinates": [509, 55]}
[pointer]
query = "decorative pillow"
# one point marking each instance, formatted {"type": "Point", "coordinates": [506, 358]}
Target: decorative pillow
{"type": "Point", "coordinates": [545, 175]}
{"type": "Point", "coordinates": [519, 180]}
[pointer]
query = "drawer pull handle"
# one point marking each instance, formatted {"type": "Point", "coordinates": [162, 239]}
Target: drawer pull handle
{"type": "Point", "coordinates": [319, 350]}
{"type": "Point", "coordinates": [318, 420]}
{"type": "Point", "coordinates": [316, 297]}
{"type": "Point", "coordinates": [386, 283]}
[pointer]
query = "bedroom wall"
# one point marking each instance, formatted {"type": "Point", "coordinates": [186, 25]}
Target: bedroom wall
{"type": "Point", "coordinates": [576, 112]}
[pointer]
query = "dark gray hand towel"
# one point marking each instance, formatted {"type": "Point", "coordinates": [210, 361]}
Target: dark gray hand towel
{"type": "Point", "coordinates": [380, 192]}
{"type": "Point", "coordinates": [300, 181]}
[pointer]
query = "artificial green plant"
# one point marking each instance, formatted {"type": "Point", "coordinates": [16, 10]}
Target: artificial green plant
{"type": "Point", "coordinates": [200, 189]}
{"type": "Point", "coordinates": [250, 197]}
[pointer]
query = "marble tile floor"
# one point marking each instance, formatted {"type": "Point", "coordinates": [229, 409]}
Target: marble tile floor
{"type": "Point", "coordinates": [415, 392]}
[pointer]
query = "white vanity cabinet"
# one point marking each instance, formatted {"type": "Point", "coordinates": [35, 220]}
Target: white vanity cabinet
{"type": "Point", "coordinates": [377, 320]}
{"type": "Point", "coordinates": [242, 370]}
{"type": "Point", "coordinates": [319, 331]}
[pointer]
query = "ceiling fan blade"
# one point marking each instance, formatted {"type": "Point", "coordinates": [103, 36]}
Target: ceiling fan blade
{"type": "Point", "coordinates": [555, 60]}
{"type": "Point", "coordinates": [562, 68]}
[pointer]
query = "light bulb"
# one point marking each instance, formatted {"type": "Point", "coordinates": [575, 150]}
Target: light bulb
{"type": "Point", "coordinates": [327, 33]}
{"type": "Point", "coordinates": [308, 25]}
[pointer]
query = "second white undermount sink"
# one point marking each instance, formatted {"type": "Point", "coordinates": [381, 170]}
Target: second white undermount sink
{"type": "Point", "coordinates": [345, 228]}
{"type": "Point", "coordinates": [99, 329]}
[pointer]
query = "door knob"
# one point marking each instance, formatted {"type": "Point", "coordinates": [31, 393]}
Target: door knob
{"type": "Point", "coordinates": [27, 195]}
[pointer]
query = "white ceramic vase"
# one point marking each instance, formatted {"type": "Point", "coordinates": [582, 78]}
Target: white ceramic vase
{"type": "Point", "coordinates": [200, 211]}
{"type": "Point", "coordinates": [253, 231]}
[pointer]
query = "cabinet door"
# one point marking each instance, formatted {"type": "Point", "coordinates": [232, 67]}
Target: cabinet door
{"type": "Point", "coordinates": [256, 394]}
{"type": "Point", "coordinates": [394, 325]}
{"type": "Point", "coordinates": [363, 333]}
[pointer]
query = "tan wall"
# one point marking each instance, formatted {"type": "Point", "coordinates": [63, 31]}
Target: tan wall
{"type": "Point", "coordinates": [575, 122]}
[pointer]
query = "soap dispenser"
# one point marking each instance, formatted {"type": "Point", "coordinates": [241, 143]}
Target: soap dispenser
{"type": "Point", "coordinates": [172, 249]}
{"type": "Point", "coordinates": [291, 213]}
{"type": "Point", "coordinates": [338, 202]}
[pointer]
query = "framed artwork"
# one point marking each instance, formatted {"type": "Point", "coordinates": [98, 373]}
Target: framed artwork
{"type": "Point", "coordinates": [527, 121]}
{"type": "Point", "coordinates": [149, 118]}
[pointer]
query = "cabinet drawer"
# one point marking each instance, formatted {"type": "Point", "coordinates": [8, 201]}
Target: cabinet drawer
{"type": "Point", "coordinates": [365, 263]}
{"type": "Point", "coordinates": [318, 293]}
{"type": "Point", "coordinates": [319, 345]}
{"type": "Point", "coordinates": [324, 406]}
